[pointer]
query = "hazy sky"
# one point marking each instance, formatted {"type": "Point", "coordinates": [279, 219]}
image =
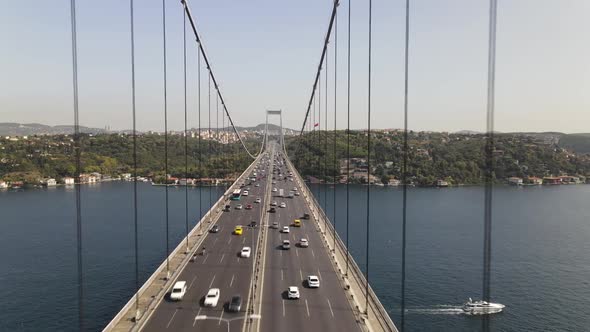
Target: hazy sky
{"type": "Point", "coordinates": [265, 53]}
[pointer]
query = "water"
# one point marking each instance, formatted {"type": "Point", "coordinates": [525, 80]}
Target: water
{"type": "Point", "coordinates": [540, 256]}
{"type": "Point", "coordinates": [540, 260]}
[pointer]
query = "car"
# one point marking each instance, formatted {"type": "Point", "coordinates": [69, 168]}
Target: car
{"type": "Point", "coordinates": [275, 225]}
{"type": "Point", "coordinates": [239, 207]}
{"type": "Point", "coordinates": [238, 230]}
{"type": "Point", "coordinates": [245, 193]}
{"type": "Point", "coordinates": [178, 291]}
{"type": "Point", "coordinates": [227, 208]}
{"type": "Point", "coordinates": [214, 229]}
{"type": "Point", "coordinates": [283, 205]}
{"type": "Point", "coordinates": [294, 188]}
{"type": "Point", "coordinates": [303, 243]}
{"type": "Point", "coordinates": [252, 223]}
{"type": "Point", "coordinates": [235, 304]}
{"type": "Point", "coordinates": [286, 244]}
{"type": "Point", "coordinates": [313, 282]}
{"type": "Point", "coordinates": [258, 200]}
{"type": "Point", "coordinates": [212, 297]}
{"type": "Point", "coordinates": [245, 253]}
{"type": "Point", "coordinates": [274, 203]}
{"type": "Point", "coordinates": [257, 185]}
{"type": "Point", "coordinates": [305, 216]}
{"type": "Point", "coordinates": [293, 292]}
{"type": "Point", "coordinates": [296, 193]}
{"type": "Point", "coordinates": [249, 207]}
{"type": "Point", "coordinates": [274, 190]}
{"type": "Point", "coordinates": [285, 229]}
{"type": "Point", "coordinates": [248, 189]}
{"type": "Point", "coordinates": [274, 182]}
{"type": "Point", "coordinates": [297, 223]}
{"type": "Point", "coordinates": [272, 210]}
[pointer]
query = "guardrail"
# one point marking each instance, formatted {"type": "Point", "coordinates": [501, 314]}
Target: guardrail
{"type": "Point", "coordinates": [375, 306]}
{"type": "Point", "coordinates": [139, 319]}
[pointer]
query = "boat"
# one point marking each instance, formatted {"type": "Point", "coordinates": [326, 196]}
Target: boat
{"type": "Point", "coordinates": [482, 307]}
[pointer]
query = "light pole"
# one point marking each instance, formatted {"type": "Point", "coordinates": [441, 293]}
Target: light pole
{"type": "Point", "coordinates": [227, 321]}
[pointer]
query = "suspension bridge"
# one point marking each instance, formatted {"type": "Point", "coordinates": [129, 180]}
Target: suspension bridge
{"type": "Point", "coordinates": [345, 300]}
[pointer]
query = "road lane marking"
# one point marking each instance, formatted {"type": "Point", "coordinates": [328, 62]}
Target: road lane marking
{"type": "Point", "coordinates": [283, 308]}
{"type": "Point", "coordinates": [232, 280]}
{"type": "Point", "coordinates": [189, 286]}
{"type": "Point", "coordinates": [221, 260]}
{"type": "Point", "coordinates": [212, 280]}
{"type": "Point", "coordinates": [198, 313]}
{"type": "Point", "coordinates": [319, 273]}
{"type": "Point", "coordinates": [301, 274]}
{"type": "Point", "coordinates": [330, 305]}
{"type": "Point", "coordinates": [215, 241]}
{"type": "Point", "coordinates": [281, 252]}
{"type": "Point", "coordinates": [281, 274]}
{"type": "Point", "coordinates": [243, 240]}
{"type": "Point", "coordinates": [220, 317]}
{"type": "Point", "coordinates": [170, 321]}
{"type": "Point", "coordinates": [312, 253]}
{"type": "Point", "coordinates": [297, 252]}
{"type": "Point", "coordinates": [204, 260]}
{"type": "Point", "coordinates": [307, 307]}
{"type": "Point", "coordinates": [228, 241]}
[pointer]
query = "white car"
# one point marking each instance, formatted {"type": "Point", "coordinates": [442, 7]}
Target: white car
{"type": "Point", "coordinates": [283, 205]}
{"type": "Point", "coordinates": [245, 193]}
{"type": "Point", "coordinates": [285, 229]}
{"type": "Point", "coordinates": [245, 253]}
{"type": "Point", "coordinates": [274, 203]}
{"type": "Point", "coordinates": [274, 190]}
{"type": "Point", "coordinates": [293, 292]}
{"type": "Point", "coordinates": [178, 291]}
{"type": "Point", "coordinates": [239, 207]}
{"type": "Point", "coordinates": [296, 193]}
{"type": "Point", "coordinates": [257, 185]}
{"type": "Point", "coordinates": [274, 182]}
{"type": "Point", "coordinates": [313, 282]}
{"type": "Point", "coordinates": [258, 200]}
{"type": "Point", "coordinates": [275, 225]}
{"type": "Point", "coordinates": [212, 297]}
{"type": "Point", "coordinates": [303, 243]}
{"type": "Point", "coordinates": [286, 244]}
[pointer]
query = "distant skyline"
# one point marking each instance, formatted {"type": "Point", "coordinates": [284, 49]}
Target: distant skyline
{"type": "Point", "coordinates": [265, 53]}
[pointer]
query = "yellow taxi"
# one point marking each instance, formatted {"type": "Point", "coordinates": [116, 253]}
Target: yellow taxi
{"type": "Point", "coordinates": [238, 230]}
{"type": "Point", "coordinates": [297, 223]}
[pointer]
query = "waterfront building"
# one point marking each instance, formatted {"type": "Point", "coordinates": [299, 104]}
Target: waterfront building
{"type": "Point", "coordinates": [515, 181]}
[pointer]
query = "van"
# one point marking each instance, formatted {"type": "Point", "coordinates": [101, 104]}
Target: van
{"type": "Point", "coordinates": [178, 291]}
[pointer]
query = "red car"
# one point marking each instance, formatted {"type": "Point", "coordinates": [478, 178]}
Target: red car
{"type": "Point", "coordinates": [249, 207]}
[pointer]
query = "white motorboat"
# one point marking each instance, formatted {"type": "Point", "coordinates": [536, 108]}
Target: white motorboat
{"type": "Point", "coordinates": [482, 307]}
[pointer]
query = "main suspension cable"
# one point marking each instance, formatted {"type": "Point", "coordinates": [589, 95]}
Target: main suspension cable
{"type": "Point", "coordinates": [335, 108]}
{"type": "Point", "coordinates": [348, 142]}
{"type": "Point", "coordinates": [212, 76]}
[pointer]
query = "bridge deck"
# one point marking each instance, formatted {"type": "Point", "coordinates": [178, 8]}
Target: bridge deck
{"type": "Point", "coordinates": [332, 307]}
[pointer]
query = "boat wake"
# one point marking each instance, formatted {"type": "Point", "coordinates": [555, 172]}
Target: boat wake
{"type": "Point", "coordinates": [437, 310]}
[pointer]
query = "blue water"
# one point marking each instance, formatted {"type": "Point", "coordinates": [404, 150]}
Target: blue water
{"type": "Point", "coordinates": [540, 254]}
{"type": "Point", "coordinates": [540, 260]}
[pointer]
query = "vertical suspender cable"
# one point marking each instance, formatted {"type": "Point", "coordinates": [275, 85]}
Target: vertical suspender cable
{"type": "Point", "coordinates": [489, 173]}
{"type": "Point", "coordinates": [135, 239]}
{"type": "Point", "coordinates": [185, 130]}
{"type": "Point", "coordinates": [335, 95]}
{"type": "Point", "coordinates": [217, 129]}
{"type": "Point", "coordinates": [210, 147]}
{"type": "Point", "coordinates": [348, 142]}
{"type": "Point", "coordinates": [368, 162]}
{"type": "Point", "coordinates": [326, 144]}
{"type": "Point", "coordinates": [405, 167]}
{"type": "Point", "coordinates": [199, 138]}
{"type": "Point", "coordinates": [77, 155]}
{"type": "Point", "coordinates": [166, 138]}
{"type": "Point", "coordinates": [319, 149]}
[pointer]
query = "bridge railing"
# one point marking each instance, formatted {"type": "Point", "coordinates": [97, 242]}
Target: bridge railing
{"type": "Point", "coordinates": [136, 320]}
{"type": "Point", "coordinates": [379, 313]}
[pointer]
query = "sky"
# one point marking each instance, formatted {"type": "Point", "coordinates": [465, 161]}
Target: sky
{"type": "Point", "coordinates": [264, 53]}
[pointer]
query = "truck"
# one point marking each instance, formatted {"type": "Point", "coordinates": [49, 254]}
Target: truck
{"type": "Point", "coordinates": [281, 192]}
